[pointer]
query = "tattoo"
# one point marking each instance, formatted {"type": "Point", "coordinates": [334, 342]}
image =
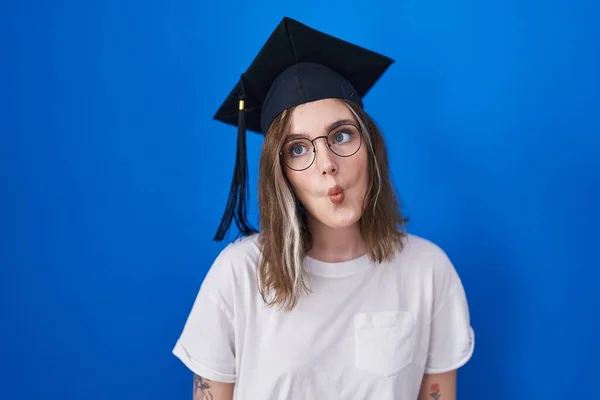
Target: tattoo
{"type": "Point", "coordinates": [202, 388]}
{"type": "Point", "coordinates": [435, 391]}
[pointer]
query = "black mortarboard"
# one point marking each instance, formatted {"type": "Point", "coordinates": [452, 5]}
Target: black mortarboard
{"type": "Point", "coordinates": [296, 65]}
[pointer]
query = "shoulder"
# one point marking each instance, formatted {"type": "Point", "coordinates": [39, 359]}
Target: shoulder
{"type": "Point", "coordinates": [241, 250]}
{"type": "Point", "coordinates": [418, 249]}
{"type": "Point", "coordinates": [233, 270]}
{"type": "Point", "coordinates": [238, 257]}
{"type": "Point", "coordinates": [424, 257]}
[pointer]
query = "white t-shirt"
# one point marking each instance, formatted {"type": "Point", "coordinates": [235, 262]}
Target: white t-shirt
{"type": "Point", "coordinates": [365, 332]}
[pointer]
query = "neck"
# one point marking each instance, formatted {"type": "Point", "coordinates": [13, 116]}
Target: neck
{"type": "Point", "coordinates": [335, 244]}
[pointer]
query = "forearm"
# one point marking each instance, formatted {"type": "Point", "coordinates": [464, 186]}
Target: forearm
{"type": "Point", "coordinates": [205, 389]}
{"type": "Point", "coordinates": [438, 386]}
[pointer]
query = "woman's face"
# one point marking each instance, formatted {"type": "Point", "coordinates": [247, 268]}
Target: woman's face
{"type": "Point", "coordinates": [332, 189]}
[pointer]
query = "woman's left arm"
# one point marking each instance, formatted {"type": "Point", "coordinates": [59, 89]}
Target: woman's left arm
{"type": "Point", "coordinates": [438, 386]}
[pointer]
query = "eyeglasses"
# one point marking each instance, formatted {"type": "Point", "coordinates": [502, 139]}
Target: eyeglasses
{"type": "Point", "coordinates": [299, 154]}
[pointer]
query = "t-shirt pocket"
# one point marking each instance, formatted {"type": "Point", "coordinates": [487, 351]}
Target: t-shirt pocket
{"type": "Point", "coordinates": [384, 341]}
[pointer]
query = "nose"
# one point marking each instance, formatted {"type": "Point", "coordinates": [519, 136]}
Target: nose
{"type": "Point", "coordinates": [325, 159]}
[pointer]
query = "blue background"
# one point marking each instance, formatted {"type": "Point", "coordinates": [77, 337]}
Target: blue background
{"type": "Point", "coordinates": [114, 177]}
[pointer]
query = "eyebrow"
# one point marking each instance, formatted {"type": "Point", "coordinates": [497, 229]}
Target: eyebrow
{"type": "Point", "coordinates": [329, 128]}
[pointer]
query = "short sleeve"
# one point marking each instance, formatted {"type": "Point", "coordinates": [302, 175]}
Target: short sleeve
{"type": "Point", "coordinates": [207, 343]}
{"type": "Point", "coordinates": [452, 339]}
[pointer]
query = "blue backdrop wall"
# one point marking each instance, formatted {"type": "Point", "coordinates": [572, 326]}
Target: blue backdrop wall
{"type": "Point", "coordinates": [113, 178]}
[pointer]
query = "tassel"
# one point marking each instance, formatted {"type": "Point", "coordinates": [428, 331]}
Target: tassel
{"type": "Point", "coordinates": [238, 193]}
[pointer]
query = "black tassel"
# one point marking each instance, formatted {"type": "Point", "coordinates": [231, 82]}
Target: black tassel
{"type": "Point", "coordinates": [239, 191]}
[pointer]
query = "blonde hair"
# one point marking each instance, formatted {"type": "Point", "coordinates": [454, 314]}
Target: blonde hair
{"type": "Point", "coordinates": [284, 237]}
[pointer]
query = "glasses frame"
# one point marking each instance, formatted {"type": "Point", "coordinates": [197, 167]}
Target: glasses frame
{"type": "Point", "coordinates": [314, 148]}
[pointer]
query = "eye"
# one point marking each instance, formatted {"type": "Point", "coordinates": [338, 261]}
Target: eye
{"type": "Point", "coordinates": [342, 137]}
{"type": "Point", "coordinates": [296, 149]}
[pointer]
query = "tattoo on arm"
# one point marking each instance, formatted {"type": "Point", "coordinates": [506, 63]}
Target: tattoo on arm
{"type": "Point", "coordinates": [435, 391]}
{"type": "Point", "coordinates": [202, 388]}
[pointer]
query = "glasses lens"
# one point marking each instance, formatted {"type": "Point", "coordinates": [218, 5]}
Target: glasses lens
{"type": "Point", "coordinates": [298, 154]}
{"type": "Point", "coordinates": [344, 140]}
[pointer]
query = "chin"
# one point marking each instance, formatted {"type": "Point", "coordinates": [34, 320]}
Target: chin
{"type": "Point", "coordinates": [335, 217]}
{"type": "Point", "coordinates": [341, 219]}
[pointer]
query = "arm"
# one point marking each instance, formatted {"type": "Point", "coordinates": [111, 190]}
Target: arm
{"type": "Point", "coordinates": [438, 386]}
{"type": "Point", "coordinates": [205, 389]}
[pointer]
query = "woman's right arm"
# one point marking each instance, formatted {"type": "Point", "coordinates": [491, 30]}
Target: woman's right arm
{"type": "Point", "coordinates": [205, 389]}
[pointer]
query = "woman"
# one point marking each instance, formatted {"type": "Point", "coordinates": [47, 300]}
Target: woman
{"type": "Point", "coordinates": [333, 299]}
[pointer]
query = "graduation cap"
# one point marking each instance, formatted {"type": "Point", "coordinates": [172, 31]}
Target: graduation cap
{"type": "Point", "coordinates": [296, 65]}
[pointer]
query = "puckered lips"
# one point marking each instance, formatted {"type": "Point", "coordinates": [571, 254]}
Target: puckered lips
{"type": "Point", "coordinates": [336, 195]}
